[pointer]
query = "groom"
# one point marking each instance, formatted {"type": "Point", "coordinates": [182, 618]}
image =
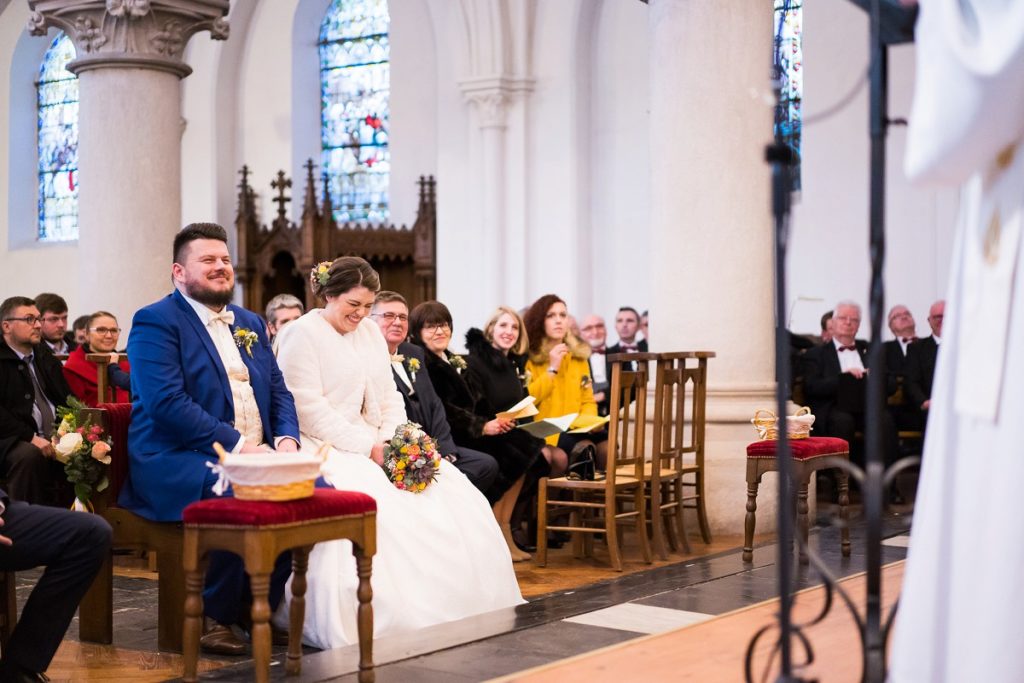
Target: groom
{"type": "Point", "coordinates": [203, 372]}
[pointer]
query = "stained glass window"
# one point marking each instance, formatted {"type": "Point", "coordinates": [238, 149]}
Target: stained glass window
{"type": "Point", "coordinates": [57, 95]}
{"type": "Point", "coordinates": [789, 62]}
{"type": "Point", "coordinates": [355, 81]}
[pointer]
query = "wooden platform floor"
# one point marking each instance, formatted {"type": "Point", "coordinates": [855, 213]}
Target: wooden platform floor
{"type": "Point", "coordinates": [714, 650]}
{"type": "Point", "coordinates": [77, 661]}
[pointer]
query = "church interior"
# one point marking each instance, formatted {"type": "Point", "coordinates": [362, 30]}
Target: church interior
{"type": "Point", "coordinates": [484, 153]}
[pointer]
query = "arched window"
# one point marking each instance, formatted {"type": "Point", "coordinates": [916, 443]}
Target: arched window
{"type": "Point", "coordinates": [354, 118]}
{"type": "Point", "coordinates": [57, 136]}
{"type": "Point", "coordinates": [789, 60]}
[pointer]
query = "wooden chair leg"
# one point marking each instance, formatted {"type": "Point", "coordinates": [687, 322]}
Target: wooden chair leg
{"type": "Point", "coordinates": [801, 516]}
{"type": "Point", "coordinates": [679, 520]}
{"type": "Point", "coordinates": [702, 513]}
{"type": "Point", "coordinates": [96, 611]}
{"type": "Point", "coordinates": [750, 521]}
{"type": "Point", "coordinates": [579, 548]}
{"type": "Point", "coordinates": [542, 522]}
{"type": "Point", "coordinates": [171, 601]}
{"type": "Point", "coordinates": [297, 610]}
{"type": "Point", "coordinates": [10, 609]}
{"type": "Point", "coordinates": [641, 524]}
{"type": "Point", "coordinates": [611, 533]}
{"type": "Point", "coordinates": [260, 582]}
{"type": "Point", "coordinates": [657, 522]}
{"type": "Point", "coordinates": [364, 566]}
{"type": "Point", "coordinates": [193, 626]}
{"type": "Point", "coordinates": [844, 512]}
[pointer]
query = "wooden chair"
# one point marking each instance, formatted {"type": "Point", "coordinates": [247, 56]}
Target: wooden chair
{"type": "Point", "coordinates": [104, 392]}
{"type": "Point", "coordinates": [623, 483]}
{"type": "Point", "coordinates": [96, 621]}
{"type": "Point", "coordinates": [680, 396]}
{"type": "Point", "coordinates": [259, 532]}
{"type": "Point", "coordinates": [809, 456]}
{"type": "Point", "coordinates": [8, 608]}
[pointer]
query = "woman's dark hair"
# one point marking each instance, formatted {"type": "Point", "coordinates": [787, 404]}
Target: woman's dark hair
{"type": "Point", "coordinates": [427, 313]}
{"type": "Point", "coordinates": [534, 320]}
{"type": "Point", "coordinates": [345, 273]}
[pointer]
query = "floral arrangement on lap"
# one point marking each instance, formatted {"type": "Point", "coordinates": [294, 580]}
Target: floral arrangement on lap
{"type": "Point", "coordinates": [85, 452]}
{"type": "Point", "coordinates": [411, 459]}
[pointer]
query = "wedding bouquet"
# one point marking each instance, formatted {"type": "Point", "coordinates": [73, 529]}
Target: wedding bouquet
{"type": "Point", "coordinates": [84, 449]}
{"type": "Point", "coordinates": [411, 460]}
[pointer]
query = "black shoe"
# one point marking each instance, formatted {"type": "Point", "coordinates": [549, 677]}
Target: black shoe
{"type": "Point", "coordinates": [12, 673]}
{"type": "Point", "coordinates": [521, 540]}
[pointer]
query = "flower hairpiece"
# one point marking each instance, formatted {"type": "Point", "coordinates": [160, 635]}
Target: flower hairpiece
{"type": "Point", "coordinates": [321, 273]}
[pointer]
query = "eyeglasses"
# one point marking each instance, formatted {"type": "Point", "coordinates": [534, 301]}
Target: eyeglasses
{"type": "Point", "coordinates": [29, 320]}
{"type": "Point", "coordinates": [392, 317]}
{"type": "Point", "coordinates": [105, 330]}
{"type": "Point", "coordinates": [587, 328]}
{"type": "Point", "coordinates": [847, 319]}
{"type": "Point", "coordinates": [56, 318]}
{"type": "Point", "coordinates": [437, 327]}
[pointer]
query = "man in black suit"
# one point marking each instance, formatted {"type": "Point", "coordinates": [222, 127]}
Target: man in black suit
{"type": "Point", "coordinates": [921, 360]}
{"type": "Point", "coordinates": [72, 546]}
{"type": "Point", "coordinates": [595, 334]}
{"type": "Point", "coordinates": [54, 313]}
{"type": "Point", "coordinates": [835, 375]}
{"type": "Point", "coordinates": [902, 325]}
{"type": "Point", "coordinates": [422, 404]}
{"type": "Point", "coordinates": [627, 325]}
{"type": "Point", "coordinates": [32, 385]}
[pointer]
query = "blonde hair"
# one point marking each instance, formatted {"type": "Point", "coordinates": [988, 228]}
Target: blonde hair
{"type": "Point", "coordinates": [523, 343]}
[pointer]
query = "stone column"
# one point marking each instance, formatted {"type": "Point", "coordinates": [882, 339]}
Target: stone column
{"type": "Point", "coordinates": [711, 252]}
{"type": "Point", "coordinates": [129, 65]}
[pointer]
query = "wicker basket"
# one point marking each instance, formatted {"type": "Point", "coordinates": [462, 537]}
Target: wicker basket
{"type": "Point", "coordinates": [269, 477]}
{"type": "Point", "coordinates": [275, 492]}
{"type": "Point", "coordinates": [798, 424]}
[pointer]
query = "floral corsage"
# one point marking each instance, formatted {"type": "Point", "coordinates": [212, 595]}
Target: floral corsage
{"type": "Point", "coordinates": [585, 381]}
{"type": "Point", "coordinates": [411, 460]}
{"type": "Point", "coordinates": [412, 366]}
{"type": "Point", "coordinates": [457, 362]}
{"type": "Point", "coordinates": [245, 338]}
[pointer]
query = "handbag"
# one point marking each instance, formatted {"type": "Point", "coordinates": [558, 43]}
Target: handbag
{"type": "Point", "coordinates": [582, 462]}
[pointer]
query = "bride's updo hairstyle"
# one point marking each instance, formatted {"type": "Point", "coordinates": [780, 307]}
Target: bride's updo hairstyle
{"type": "Point", "coordinates": [344, 273]}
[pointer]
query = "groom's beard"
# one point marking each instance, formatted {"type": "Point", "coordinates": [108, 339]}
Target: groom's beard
{"type": "Point", "coordinates": [210, 297]}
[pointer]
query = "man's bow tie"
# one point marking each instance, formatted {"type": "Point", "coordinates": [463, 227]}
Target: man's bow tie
{"type": "Point", "coordinates": [225, 316]}
{"type": "Point", "coordinates": [847, 348]}
{"type": "Point", "coordinates": [907, 340]}
{"type": "Point", "coordinates": [629, 347]}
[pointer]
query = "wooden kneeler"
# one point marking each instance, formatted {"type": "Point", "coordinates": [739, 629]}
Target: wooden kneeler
{"type": "Point", "coordinates": [258, 532]}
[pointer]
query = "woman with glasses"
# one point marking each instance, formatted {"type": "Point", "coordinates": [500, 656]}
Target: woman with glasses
{"type": "Point", "coordinates": [82, 374]}
{"type": "Point", "coordinates": [560, 375]}
{"type": "Point", "coordinates": [440, 555]}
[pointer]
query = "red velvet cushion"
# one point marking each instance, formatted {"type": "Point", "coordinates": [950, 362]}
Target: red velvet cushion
{"type": "Point", "coordinates": [324, 503]}
{"type": "Point", "coordinates": [119, 417]}
{"type": "Point", "coordinates": [802, 449]}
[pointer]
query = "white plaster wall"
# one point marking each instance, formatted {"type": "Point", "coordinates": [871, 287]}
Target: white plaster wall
{"type": "Point", "coordinates": [829, 257]}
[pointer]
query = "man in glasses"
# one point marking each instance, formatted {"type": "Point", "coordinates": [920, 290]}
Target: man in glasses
{"type": "Point", "coordinates": [32, 385]}
{"type": "Point", "coordinates": [921, 358]}
{"type": "Point", "coordinates": [54, 313]}
{"type": "Point", "coordinates": [422, 404]}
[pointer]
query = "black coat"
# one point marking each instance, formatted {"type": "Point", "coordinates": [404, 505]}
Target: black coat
{"type": "Point", "coordinates": [17, 394]}
{"type": "Point", "coordinates": [460, 402]}
{"type": "Point", "coordinates": [495, 377]}
{"type": "Point", "coordinates": [423, 406]}
{"type": "Point", "coordinates": [821, 378]}
{"type": "Point", "coordinates": [921, 358]}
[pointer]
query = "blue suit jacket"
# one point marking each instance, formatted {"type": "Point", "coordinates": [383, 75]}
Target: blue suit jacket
{"type": "Point", "coordinates": [183, 404]}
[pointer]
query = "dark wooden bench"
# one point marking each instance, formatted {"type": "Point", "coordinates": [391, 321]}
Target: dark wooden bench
{"type": "Point", "coordinates": [96, 614]}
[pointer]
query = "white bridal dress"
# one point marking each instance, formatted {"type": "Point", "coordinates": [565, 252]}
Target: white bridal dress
{"type": "Point", "coordinates": [440, 554]}
{"type": "Point", "coordinates": [963, 593]}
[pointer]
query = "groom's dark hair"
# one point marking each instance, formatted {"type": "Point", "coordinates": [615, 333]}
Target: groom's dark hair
{"type": "Point", "coordinates": [196, 231]}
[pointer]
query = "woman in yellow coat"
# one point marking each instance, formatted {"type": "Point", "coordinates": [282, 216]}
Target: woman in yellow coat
{"type": "Point", "coordinates": [559, 374]}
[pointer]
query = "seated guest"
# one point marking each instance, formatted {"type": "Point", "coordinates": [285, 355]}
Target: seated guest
{"type": "Point", "coordinates": [54, 312]}
{"type": "Point", "coordinates": [560, 375]}
{"type": "Point", "coordinates": [81, 372]}
{"type": "Point", "coordinates": [596, 335]}
{"type": "Point", "coordinates": [473, 420]}
{"type": "Point", "coordinates": [281, 310]}
{"type": "Point", "coordinates": [71, 546]}
{"type": "Point", "coordinates": [422, 404]}
{"type": "Point", "coordinates": [627, 325]}
{"type": "Point", "coordinates": [902, 326]}
{"type": "Point", "coordinates": [80, 329]}
{"type": "Point", "coordinates": [826, 327]}
{"type": "Point", "coordinates": [644, 319]}
{"type": "Point", "coordinates": [921, 360]}
{"type": "Point", "coordinates": [835, 374]}
{"type": "Point", "coordinates": [31, 387]}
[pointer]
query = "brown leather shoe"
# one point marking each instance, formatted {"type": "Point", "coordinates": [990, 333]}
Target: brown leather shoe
{"type": "Point", "coordinates": [277, 636]}
{"type": "Point", "coordinates": [221, 640]}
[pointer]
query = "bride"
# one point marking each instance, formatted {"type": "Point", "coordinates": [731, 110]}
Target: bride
{"type": "Point", "coordinates": [440, 555]}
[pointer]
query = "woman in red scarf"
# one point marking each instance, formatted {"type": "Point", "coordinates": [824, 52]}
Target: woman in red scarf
{"type": "Point", "coordinates": [81, 374]}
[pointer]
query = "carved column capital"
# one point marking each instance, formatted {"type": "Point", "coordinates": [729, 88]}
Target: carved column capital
{"type": "Point", "coordinates": [493, 96]}
{"type": "Point", "coordinates": [147, 34]}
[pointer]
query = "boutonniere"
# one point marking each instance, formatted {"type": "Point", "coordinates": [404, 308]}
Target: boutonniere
{"type": "Point", "coordinates": [585, 382]}
{"type": "Point", "coordinates": [245, 338]}
{"type": "Point", "coordinates": [458, 362]}
{"type": "Point", "coordinates": [526, 378]}
{"type": "Point", "coordinates": [397, 358]}
{"type": "Point", "coordinates": [412, 366]}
